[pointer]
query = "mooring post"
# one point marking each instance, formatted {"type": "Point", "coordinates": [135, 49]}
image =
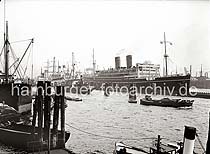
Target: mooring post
{"type": "Point", "coordinates": [106, 90]}
{"type": "Point", "coordinates": [35, 111]}
{"type": "Point", "coordinates": [47, 105]}
{"type": "Point", "coordinates": [208, 140]}
{"type": "Point", "coordinates": [62, 116]}
{"type": "Point", "coordinates": [56, 117]}
{"type": "Point", "coordinates": [132, 93]}
{"type": "Point", "coordinates": [158, 145]}
{"type": "Point", "coordinates": [40, 88]}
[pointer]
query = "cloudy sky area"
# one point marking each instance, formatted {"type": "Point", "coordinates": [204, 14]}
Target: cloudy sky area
{"type": "Point", "coordinates": [112, 28]}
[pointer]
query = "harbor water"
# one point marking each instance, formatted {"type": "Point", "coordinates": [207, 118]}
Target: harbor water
{"type": "Point", "coordinates": [97, 122]}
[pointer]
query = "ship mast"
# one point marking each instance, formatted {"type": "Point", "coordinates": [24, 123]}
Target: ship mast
{"type": "Point", "coordinates": [53, 66]}
{"type": "Point", "coordinates": [165, 55]}
{"type": "Point", "coordinates": [73, 65]}
{"type": "Point", "coordinates": [6, 52]}
{"type": "Point", "coordinates": [94, 63]}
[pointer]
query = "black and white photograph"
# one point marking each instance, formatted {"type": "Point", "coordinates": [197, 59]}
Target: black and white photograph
{"type": "Point", "coordinates": [104, 77]}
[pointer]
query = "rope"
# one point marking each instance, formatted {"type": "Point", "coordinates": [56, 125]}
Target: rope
{"type": "Point", "coordinates": [21, 41]}
{"type": "Point", "coordinates": [2, 49]}
{"type": "Point", "coordinates": [27, 64]}
{"type": "Point", "coordinates": [1, 54]}
{"type": "Point", "coordinates": [204, 151]}
{"type": "Point", "coordinates": [108, 137]}
{"type": "Point", "coordinates": [15, 58]}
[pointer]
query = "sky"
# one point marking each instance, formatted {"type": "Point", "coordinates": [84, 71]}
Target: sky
{"type": "Point", "coordinates": [112, 28]}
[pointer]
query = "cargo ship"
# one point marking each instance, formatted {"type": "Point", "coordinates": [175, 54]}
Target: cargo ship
{"type": "Point", "coordinates": [14, 91]}
{"type": "Point", "coordinates": [146, 77]}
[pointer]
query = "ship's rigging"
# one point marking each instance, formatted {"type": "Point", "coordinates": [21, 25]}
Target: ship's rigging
{"type": "Point", "coordinates": [15, 68]}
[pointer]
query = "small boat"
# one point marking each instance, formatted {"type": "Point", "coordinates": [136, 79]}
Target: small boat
{"type": "Point", "coordinates": [80, 87]}
{"type": "Point", "coordinates": [121, 148]}
{"type": "Point", "coordinates": [73, 98]}
{"type": "Point", "coordinates": [8, 114]}
{"type": "Point", "coordinates": [184, 147]}
{"type": "Point", "coordinates": [132, 101]}
{"type": "Point", "coordinates": [166, 102]}
{"type": "Point", "coordinates": [26, 137]}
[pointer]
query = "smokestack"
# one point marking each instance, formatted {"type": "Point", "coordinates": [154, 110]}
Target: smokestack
{"type": "Point", "coordinates": [129, 61]}
{"type": "Point", "coordinates": [117, 62]}
{"type": "Point", "coordinates": [189, 140]}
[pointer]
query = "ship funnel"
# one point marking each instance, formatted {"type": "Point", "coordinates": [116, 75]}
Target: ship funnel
{"type": "Point", "coordinates": [129, 61]}
{"type": "Point", "coordinates": [189, 140]}
{"type": "Point", "coordinates": [117, 62]}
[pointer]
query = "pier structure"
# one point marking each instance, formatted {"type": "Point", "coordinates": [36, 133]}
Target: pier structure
{"type": "Point", "coordinates": [48, 139]}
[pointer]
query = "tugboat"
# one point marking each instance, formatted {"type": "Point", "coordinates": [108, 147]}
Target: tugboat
{"type": "Point", "coordinates": [186, 147]}
{"type": "Point", "coordinates": [166, 102]}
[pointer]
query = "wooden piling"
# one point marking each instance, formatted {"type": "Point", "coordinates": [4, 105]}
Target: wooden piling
{"type": "Point", "coordinates": [132, 94]}
{"type": "Point", "coordinates": [106, 89]}
{"type": "Point", "coordinates": [62, 116]}
{"type": "Point", "coordinates": [47, 105]}
{"type": "Point", "coordinates": [40, 86]}
{"type": "Point", "coordinates": [56, 117]}
{"type": "Point", "coordinates": [158, 144]}
{"type": "Point", "coordinates": [35, 111]}
{"type": "Point", "coordinates": [208, 140]}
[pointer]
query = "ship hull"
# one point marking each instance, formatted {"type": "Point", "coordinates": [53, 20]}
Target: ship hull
{"type": "Point", "coordinates": [17, 96]}
{"type": "Point", "coordinates": [22, 137]}
{"type": "Point", "coordinates": [172, 85]}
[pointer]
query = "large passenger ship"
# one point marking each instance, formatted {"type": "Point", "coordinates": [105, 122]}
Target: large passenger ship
{"type": "Point", "coordinates": [145, 76]}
